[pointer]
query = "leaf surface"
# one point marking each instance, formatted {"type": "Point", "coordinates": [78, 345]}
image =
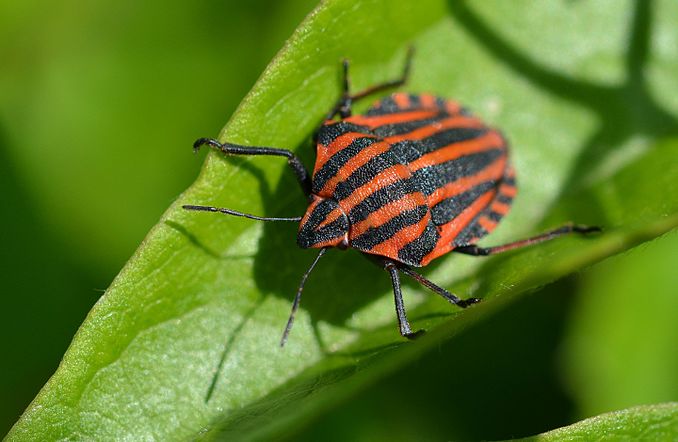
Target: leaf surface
{"type": "Point", "coordinates": [642, 423]}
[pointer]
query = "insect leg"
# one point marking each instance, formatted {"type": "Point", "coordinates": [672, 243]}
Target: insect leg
{"type": "Point", "coordinates": [294, 162]}
{"type": "Point", "coordinates": [343, 106]}
{"type": "Point", "coordinates": [403, 323]}
{"type": "Point", "coordinates": [437, 289]}
{"type": "Point", "coordinates": [473, 249]}
{"type": "Point", "coordinates": [389, 84]}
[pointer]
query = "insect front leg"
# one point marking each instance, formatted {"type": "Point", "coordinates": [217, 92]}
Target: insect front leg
{"type": "Point", "coordinates": [298, 168]}
{"type": "Point", "coordinates": [474, 250]}
{"type": "Point", "coordinates": [294, 162]}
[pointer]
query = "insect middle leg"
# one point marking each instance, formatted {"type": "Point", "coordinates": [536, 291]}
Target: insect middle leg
{"type": "Point", "coordinates": [394, 268]}
{"type": "Point", "coordinates": [343, 108]}
{"type": "Point", "coordinates": [474, 250]}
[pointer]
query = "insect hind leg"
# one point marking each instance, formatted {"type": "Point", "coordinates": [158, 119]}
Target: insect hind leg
{"type": "Point", "coordinates": [474, 250]}
{"type": "Point", "coordinates": [463, 303]}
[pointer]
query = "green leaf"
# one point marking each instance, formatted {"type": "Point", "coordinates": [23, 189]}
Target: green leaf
{"type": "Point", "coordinates": [185, 341]}
{"type": "Point", "coordinates": [642, 423]}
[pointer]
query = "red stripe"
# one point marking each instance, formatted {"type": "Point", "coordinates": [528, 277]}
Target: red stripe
{"type": "Point", "coordinates": [387, 212]}
{"type": "Point", "coordinates": [353, 164]}
{"type": "Point", "coordinates": [493, 171]}
{"type": "Point", "coordinates": [340, 143]}
{"type": "Point", "coordinates": [500, 208]}
{"type": "Point", "coordinates": [438, 126]}
{"type": "Point", "coordinates": [457, 150]}
{"type": "Point", "coordinates": [508, 190]}
{"type": "Point", "coordinates": [452, 229]}
{"type": "Point", "coordinates": [452, 107]}
{"type": "Point", "coordinates": [331, 217]}
{"type": "Point", "coordinates": [402, 100]}
{"type": "Point", "coordinates": [487, 223]}
{"type": "Point", "coordinates": [392, 246]}
{"type": "Point", "coordinates": [380, 120]}
{"type": "Point", "coordinates": [427, 101]}
{"type": "Point", "coordinates": [381, 180]}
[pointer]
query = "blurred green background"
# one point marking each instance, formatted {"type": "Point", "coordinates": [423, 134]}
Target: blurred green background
{"type": "Point", "coordinates": [99, 104]}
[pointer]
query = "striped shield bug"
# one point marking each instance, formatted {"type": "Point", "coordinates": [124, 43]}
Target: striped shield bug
{"type": "Point", "coordinates": [413, 178]}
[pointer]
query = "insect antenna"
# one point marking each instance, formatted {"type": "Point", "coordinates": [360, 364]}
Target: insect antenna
{"type": "Point", "coordinates": [297, 298]}
{"type": "Point", "coordinates": [236, 213]}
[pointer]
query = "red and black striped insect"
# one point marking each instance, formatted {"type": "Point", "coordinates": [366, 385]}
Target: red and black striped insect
{"type": "Point", "coordinates": [415, 177]}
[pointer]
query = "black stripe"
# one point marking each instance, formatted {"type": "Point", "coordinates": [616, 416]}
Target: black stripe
{"type": "Point", "coordinates": [509, 181]}
{"type": "Point", "coordinates": [389, 130]}
{"type": "Point", "coordinates": [309, 238]}
{"type": "Point", "coordinates": [415, 101]}
{"type": "Point", "coordinates": [441, 104]}
{"type": "Point", "coordinates": [426, 180]}
{"type": "Point", "coordinates": [383, 107]}
{"type": "Point", "coordinates": [438, 175]}
{"type": "Point", "coordinates": [364, 174]}
{"type": "Point", "coordinates": [451, 136]}
{"type": "Point", "coordinates": [380, 198]}
{"type": "Point", "coordinates": [330, 132]}
{"type": "Point", "coordinates": [407, 151]}
{"type": "Point", "coordinates": [320, 212]}
{"type": "Point", "coordinates": [336, 161]}
{"type": "Point", "coordinates": [472, 232]}
{"type": "Point", "coordinates": [494, 216]}
{"type": "Point", "coordinates": [334, 229]}
{"type": "Point", "coordinates": [377, 235]}
{"type": "Point", "coordinates": [310, 234]}
{"type": "Point", "coordinates": [388, 106]}
{"type": "Point", "coordinates": [502, 198]}
{"type": "Point", "coordinates": [450, 208]}
{"type": "Point", "coordinates": [413, 252]}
